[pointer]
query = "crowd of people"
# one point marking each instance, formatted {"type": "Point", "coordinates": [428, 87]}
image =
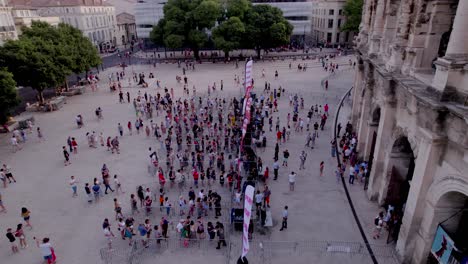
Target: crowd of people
{"type": "Point", "coordinates": [202, 151]}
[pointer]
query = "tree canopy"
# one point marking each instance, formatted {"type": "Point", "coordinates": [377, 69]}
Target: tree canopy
{"type": "Point", "coordinates": [266, 28]}
{"type": "Point", "coordinates": [353, 12]}
{"type": "Point", "coordinates": [44, 55]}
{"type": "Point", "coordinates": [8, 94]}
{"type": "Point", "coordinates": [228, 35]}
{"type": "Point", "coordinates": [240, 25]}
{"type": "Point", "coordinates": [186, 23]}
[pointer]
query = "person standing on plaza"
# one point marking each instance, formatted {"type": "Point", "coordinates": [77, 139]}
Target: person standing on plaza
{"type": "Point", "coordinates": [117, 185]}
{"type": "Point", "coordinates": [120, 128]}
{"type": "Point", "coordinates": [220, 233]}
{"type": "Point", "coordinates": [26, 214]}
{"type": "Point", "coordinates": [164, 226]}
{"type": "Point", "coordinates": [1, 205]}
{"type": "Point", "coordinates": [88, 193]}
{"type": "Point", "coordinates": [303, 158]}
{"type": "Point", "coordinates": [284, 223]}
{"type": "Point", "coordinates": [19, 233]}
{"type": "Point", "coordinates": [73, 186]}
{"type": "Point", "coordinates": [40, 136]}
{"type": "Point", "coordinates": [276, 151]}
{"type": "Point", "coordinates": [275, 169]}
{"type": "Point", "coordinates": [129, 125]}
{"type": "Point", "coordinates": [74, 145]}
{"type": "Point", "coordinates": [338, 173]}
{"type": "Point", "coordinates": [351, 175]}
{"type": "Point", "coordinates": [14, 143]}
{"type": "Point", "coordinates": [292, 180]}
{"type": "Point", "coordinates": [12, 239]}
{"type": "Point", "coordinates": [285, 157]}
{"type": "Point", "coordinates": [322, 166]}
{"type": "Point", "coordinates": [378, 222]}
{"type": "Point", "coordinates": [333, 148]}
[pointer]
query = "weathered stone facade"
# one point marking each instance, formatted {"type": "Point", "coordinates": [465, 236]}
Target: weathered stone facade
{"type": "Point", "coordinates": [410, 111]}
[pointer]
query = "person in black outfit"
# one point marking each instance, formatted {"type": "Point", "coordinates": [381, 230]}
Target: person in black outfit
{"type": "Point", "coordinates": [220, 232]}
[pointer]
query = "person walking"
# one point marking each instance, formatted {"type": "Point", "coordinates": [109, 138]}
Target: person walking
{"type": "Point", "coordinates": [7, 170]}
{"type": "Point", "coordinates": [20, 235]}
{"type": "Point", "coordinates": [73, 186]}
{"type": "Point", "coordinates": [284, 223]}
{"type": "Point", "coordinates": [26, 214]}
{"type": "Point", "coordinates": [47, 250]}
{"type": "Point", "coordinates": [292, 180]}
{"type": "Point", "coordinates": [303, 158]}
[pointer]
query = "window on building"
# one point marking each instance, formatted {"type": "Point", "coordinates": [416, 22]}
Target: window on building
{"type": "Point", "coordinates": [67, 10]}
{"type": "Point", "coordinates": [297, 18]}
{"type": "Point", "coordinates": [329, 37]}
{"type": "Point", "coordinates": [339, 22]}
{"type": "Point", "coordinates": [331, 12]}
{"type": "Point", "coordinates": [340, 12]}
{"type": "Point", "coordinates": [330, 23]}
{"type": "Point", "coordinates": [347, 37]}
{"type": "Point", "coordinates": [87, 23]}
{"type": "Point", "coordinates": [338, 38]}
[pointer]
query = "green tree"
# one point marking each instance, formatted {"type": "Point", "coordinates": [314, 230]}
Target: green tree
{"type": "Point", "coordinates": [8, 94]}
{"type": "Point", "coordinates": [74, 52]}
{"type": "Point", "coordinates": [266, 28]}
{"type": "Point", "coordinates": [353, 12]}
{"type": "Point", "coordinates": [33, 62]}
{"type": "Point", "coordinates": [228, 35]}
{"type": "Point", "coordinates": [186, 23]}
{"type": "Point", "coordinates": [237, 8]}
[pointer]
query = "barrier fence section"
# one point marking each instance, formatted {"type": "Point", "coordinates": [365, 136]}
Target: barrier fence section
{"type": "Point", "coordinates": [261, 251]}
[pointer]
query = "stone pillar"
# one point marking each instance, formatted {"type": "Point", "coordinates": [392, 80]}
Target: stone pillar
{"type": "Point", "coordinates": [384, 133]}
{"type": "Point", "coordinates": [452, 70]}
{"type": "Point", "coordinates": [362, 125]}
{"type": "Point", "coordinates": [401, 37]}
{"type": "Point", "coordinates": [379, 21]}
{"type": "Point", "coordinates": [457, 46]}
{"type": "Point", "coordinates": [429, 151]}
{"type": "Point", "coordinates": [365, 28]}
{"type": "Point", "coordinates": [357, 93]}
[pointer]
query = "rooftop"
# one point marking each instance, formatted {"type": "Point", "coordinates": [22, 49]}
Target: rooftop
{"type": "Point", "coordinates": [55, 3]}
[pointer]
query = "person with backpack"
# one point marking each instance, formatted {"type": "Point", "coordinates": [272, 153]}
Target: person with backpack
{"type": "Point", "coordinates": [378, 222]}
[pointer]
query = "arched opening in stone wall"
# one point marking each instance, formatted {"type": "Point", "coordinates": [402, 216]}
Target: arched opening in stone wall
{"type": "Point", "coordinates": [450, 243]}
{"type": "Point", "coordinates": [374, 124]}
{"type": "Point", "coordinates": [402, 164]}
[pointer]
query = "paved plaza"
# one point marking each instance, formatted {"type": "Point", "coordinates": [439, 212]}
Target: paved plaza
{"type": "Point", "coordinates": [318, 207]}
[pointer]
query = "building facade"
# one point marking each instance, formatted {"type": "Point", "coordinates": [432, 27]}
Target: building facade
{"type": "Point", "coordinates": [298, 13]}
{"type": "Point", "coordinates": [95, 18]}
{"type": "Point", "coordinates": [410, 111]}
{"type": "Point", "coordinates": [327, 19]}
{"type": "Point", "coordinates": [126, 29]}
{"type": "Point", "coordinates": [7, 24]}
{"type": "Point", "coordinates": [25, 15]}
{"type": "Point", "coordinates": [147, 14]}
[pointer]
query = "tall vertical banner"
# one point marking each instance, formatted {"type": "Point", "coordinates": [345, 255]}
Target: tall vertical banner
{"type": "Point", "coordinates": [249, 192]}
{"type": "Point", "coordinates": [248, 77]}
